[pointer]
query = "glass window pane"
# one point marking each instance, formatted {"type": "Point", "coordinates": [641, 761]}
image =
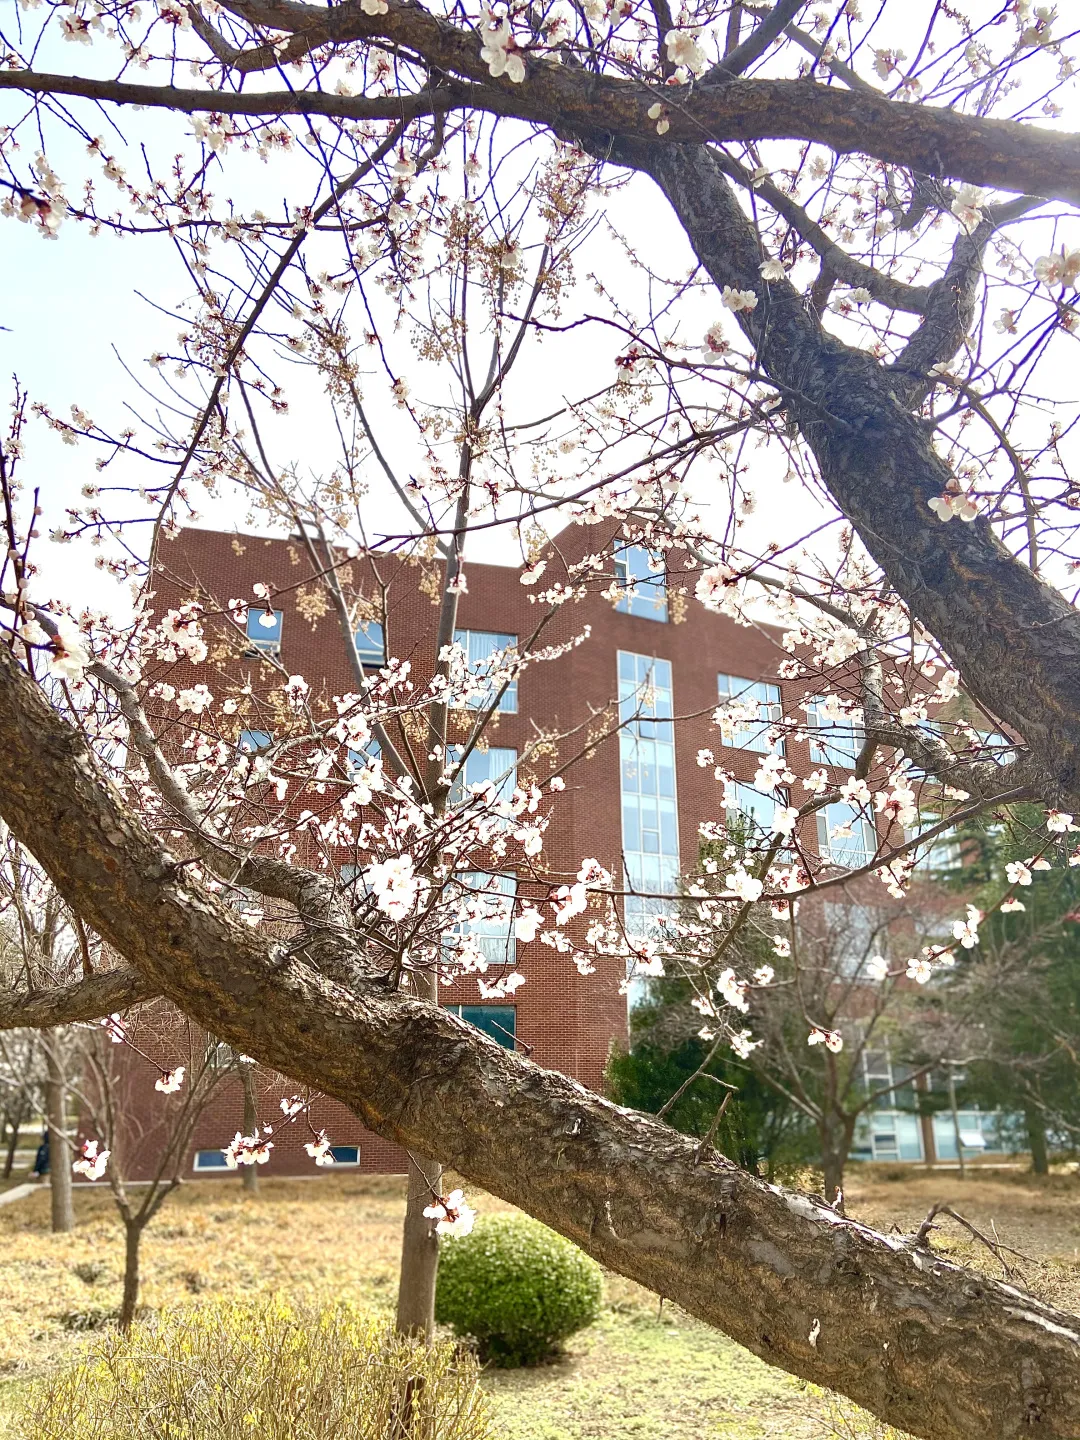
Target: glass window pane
{"type": "Point", "coordinates": [497, 765]}
{"type": "Point", "coordinates": [492, 929]}
{"type": "Point", "coordinates": [647, 770]}
{"type": "Point", "coordinates": [641, 576]}
{"type": "Point", "coordinates": [484, 650]}
{"type": "Point", "coordinates": [832, 742]}
{"type": "Point", "coordinates": [498, 1021]}
{"type": "Point", "coordinates": [755, 708]}
{"type": "Point", "coordinates": [370, 643]}
{"type": "Point", "coordinates": [264, 629]}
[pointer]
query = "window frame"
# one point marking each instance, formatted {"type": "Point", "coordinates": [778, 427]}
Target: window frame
{"type": "Point", "coordinates": [216, 1168]}
{"type": "Point", "coordinates": [511, 1033]}
{"type": "Point", "coordinates": [371, 657]}
{"type": "Point", "coordinates": [469, 881]}
{"type": "Point", "coordinates": [818, 747]}
{"type": "Point", "coordinates": [825, 840]}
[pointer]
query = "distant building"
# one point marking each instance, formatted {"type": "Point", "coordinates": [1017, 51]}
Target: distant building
{"type": "Point", "coordinates": [634, 802]}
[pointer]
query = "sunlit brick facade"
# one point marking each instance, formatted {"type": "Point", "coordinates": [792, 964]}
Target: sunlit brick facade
{"type": "Point", "coordinates": [613, 808]}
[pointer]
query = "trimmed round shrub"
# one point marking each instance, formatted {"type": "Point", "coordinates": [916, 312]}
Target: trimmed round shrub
{"type": "Point", "coordinates": [517, 1288]}
{"type": "Point", "coordinates": [260, 1370]}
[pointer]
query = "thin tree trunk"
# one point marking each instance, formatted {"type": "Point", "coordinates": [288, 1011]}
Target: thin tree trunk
{"type": "Point", "coordinates": [956, 1124]}
{"type": "Point", "coordinates": [1036, 1129]}
{"type": "Point", "coordinates": [61, 1202]}
{"type": "Point", "coordinates": [251, 1119]}
{"type": "Point", "coordinates": [835, 1144]}
{"type": "Point", "coordinates": [419, 1239]}
{"type": "Point", "coordinates": [132, 1241]}
{"type": "Point", "coordinates": [15, 1120]}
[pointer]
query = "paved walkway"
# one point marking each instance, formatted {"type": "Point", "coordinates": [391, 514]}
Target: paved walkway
{"type": "Point", "coordinates": [18, 1192]}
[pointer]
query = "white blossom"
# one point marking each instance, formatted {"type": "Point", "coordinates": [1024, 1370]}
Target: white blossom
{"type": "Point", "coordinates": [93, 1161]}
{"type": "Point", "coordinates": [451, 1213]}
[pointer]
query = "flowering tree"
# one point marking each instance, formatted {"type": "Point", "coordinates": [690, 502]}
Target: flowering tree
{"type": "Point", "coordinates": [872, 283]}
{"type": "Point", "coordinates": [123, 1134]}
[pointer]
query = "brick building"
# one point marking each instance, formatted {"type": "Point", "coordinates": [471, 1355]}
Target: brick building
{"type": "Point", "coordinates": [633, 800]}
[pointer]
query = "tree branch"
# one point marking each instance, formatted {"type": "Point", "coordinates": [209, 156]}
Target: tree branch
{"type": "Point", "coordinates": [87, 999]}
{"type": "Point", "coordinates": [1003, 154]}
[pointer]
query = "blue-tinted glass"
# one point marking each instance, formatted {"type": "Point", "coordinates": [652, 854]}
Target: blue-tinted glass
{"type": "Point", "coordinates": [371, 643]}
{"type": "Point", "coordinates": [253, 740]}
{"type": "Point", "coordinates": [358, 759]}
{"type": "Point", "coordinates": [753, 734]}
{"type": "Point", "coordinates": [647, 771]}
{"type": "Point", "coordinates": [498, 1021]}
{"type": "Point", "coordinates": [346, 1154]}
{"type": "Point", "coordinates": [479, 646]}
{"type": "Point", "coordinates": [497, 764]}
{"type": "Point", "coordinates": [493, 930]}
{"type": "Point", "coordinates": [210, 1160]}
{"type": "Point", "coordinates": [631, 827]}
{"type": "Point", "coordinates": [646, 588]}
{"type": "Point", "coordinates": [849, 850]}
{"type": "Point", "coordinates": [264, 628]}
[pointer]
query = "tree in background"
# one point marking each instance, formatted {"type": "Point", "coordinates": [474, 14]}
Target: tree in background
{"type": "Point", "coordinates": [142, 1148]}
{"type": "Point", "coordinates": [1018, 988]}
{"type": "Point", "coordinates": [669, 1069]}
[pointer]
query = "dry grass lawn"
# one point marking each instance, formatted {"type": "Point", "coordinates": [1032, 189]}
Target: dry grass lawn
{"type": "Point", "coordinates": [638, 1372]}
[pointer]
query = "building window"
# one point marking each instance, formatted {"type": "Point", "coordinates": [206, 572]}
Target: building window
{"type": "Point", "coordinates": [368, 754]}
{"type": "Point", "coordinates": [755, 807]}
{"type": "Point", "coordinates": [757, 709]}
{"type": "Point", "coordinates": [650, 830]}
{"type": "Point", "coordinates": [345, 1154]}
{"type": "Point", "coordinates": [832, 742]}
{"type": "Point", "coordinates": [492, 930]}
{"type": "Point", "coordinates": [252, 741]}
{"type": "Point", "coordinates": [497, 765]}
{"type": "Point", "coordinates": [498, 1021]}
{"type": "Point", "coordinates": [264, 630]}
{"type": "Point", "coordinates": [845, 836]}
{"type": "Point", "coordinates": [370, 643]}
{"type": "Point", "coordinates": [640, 574]}
{"type": "Point", "coordinates": [485, 651]}
{"type": "Point", "coordinates": [219, 1054]}
{"type": "Point", "coordinates": [210, 1160]}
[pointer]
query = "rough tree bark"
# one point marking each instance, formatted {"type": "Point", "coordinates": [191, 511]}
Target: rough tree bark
{"type": "Point", "coordinates": [1014, 639]}
{"type": "Point", "coordinates": [934, 1349]}
{"type": "Point", "coordinates": [60, 1195]}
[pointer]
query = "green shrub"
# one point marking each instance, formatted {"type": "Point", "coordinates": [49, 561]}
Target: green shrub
{"type": "Point", "coordinates": [260, 1371]}
{"type": "Point", "coordinates": [517, 1288]}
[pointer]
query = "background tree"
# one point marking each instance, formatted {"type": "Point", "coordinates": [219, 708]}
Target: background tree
{"type": "Point", "coordinates": [1018, 990]}
{"type": "Point", "coordinates": [759, 1128]}
{"type": "Point", "coordinates": [141, 1147]}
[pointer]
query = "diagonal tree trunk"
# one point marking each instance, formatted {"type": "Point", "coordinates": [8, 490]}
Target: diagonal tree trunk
{"type": "Point", "coordinates": [926, 1345]}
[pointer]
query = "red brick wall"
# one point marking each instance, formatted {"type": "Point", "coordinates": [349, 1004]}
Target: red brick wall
{"type": "Point", "coordinates": [569, 1022]}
